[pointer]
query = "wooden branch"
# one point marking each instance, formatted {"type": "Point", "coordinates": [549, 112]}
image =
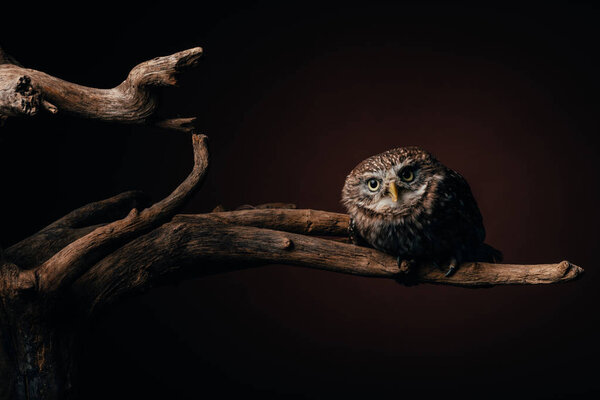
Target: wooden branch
{"type": "Point", "coordinates": [183, 247]}
{"type": "Point", "coordinates": [486, 274]}
{"type": "Point", "coordinates": [39, 247]}
{"type": "Point", "coordinates": [308, 222]}
{"type": "Point", "coordinates": [322, 223]}
{"type": "Point", "coordinates": [158, 253]}
{"type": "Point", "coordinates": [106, 210]}
{"type": "Point", "coordinates": [204, 245]}
{"type": "Point", "coordinates": [24, 92]}
{"type": "Point", "coordinates": [68, 264]}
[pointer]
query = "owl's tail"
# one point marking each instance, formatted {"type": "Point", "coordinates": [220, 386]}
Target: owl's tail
{"type": "Point", "coordinates": [488, 253]}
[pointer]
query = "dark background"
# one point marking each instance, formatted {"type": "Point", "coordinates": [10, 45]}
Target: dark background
{"type": "Point", "coordinates": [292, 98]}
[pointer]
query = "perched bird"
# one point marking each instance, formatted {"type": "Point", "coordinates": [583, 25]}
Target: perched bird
{"type": "Point", "coordinates": [406, 203]}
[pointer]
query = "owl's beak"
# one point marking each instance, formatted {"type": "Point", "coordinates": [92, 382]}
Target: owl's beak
{"type": "Point", "coordinates": [393, 191]}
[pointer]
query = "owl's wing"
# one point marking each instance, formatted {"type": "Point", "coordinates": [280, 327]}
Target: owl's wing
{"type": "Point", "coordinates": [466, 208]}
{"type": "Point", "coordinates": [474, 247]}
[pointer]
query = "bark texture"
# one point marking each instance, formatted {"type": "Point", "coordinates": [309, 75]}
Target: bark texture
{"type": "Point", "coordinates": [52, 281]}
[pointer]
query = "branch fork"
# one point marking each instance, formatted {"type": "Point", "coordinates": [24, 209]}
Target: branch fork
{"type": "Point", "coordinates": [75, 259]}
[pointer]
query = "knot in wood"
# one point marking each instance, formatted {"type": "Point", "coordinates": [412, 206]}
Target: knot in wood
{"type": "Point", "coordinates": [18, 96]}
{"type": "Point", "coordinates": [287, 244]}
{"type": "Point", "coordinates": [24, 86]}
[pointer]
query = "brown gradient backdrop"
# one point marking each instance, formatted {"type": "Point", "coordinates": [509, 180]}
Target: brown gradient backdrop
{"type": "Point", "coordinates": [292, 98]}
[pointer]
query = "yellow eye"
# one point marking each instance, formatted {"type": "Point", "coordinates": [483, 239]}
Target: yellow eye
{"type": "Point", "coordinates": [373, 184]}
{"type": "Point", "coordinates": [407, 175]}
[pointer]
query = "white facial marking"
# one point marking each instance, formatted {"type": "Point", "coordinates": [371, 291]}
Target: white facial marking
{"type": "Point", "coordinates": [414, 195]}
{"type": "Point", "coordinates": [384, 203]}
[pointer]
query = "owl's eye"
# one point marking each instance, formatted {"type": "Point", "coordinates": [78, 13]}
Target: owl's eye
{"type": "Point", "coordinates": [373, 184]}
{"type": "Point", "coordinates": [407, 175]}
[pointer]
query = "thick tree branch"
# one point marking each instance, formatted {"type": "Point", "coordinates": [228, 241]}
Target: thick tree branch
{"type": "Point", "coordinates": [106, 210]}
{"type": "Point", "coordinates": [206, 239]}
{"type": "Point", "coordinates": [24, 92]}
{"type": "Point", "coordinates": [39, 247]}
{"type": "Point", "coordinates": [204, 245]}
{"type": "Point", "coordinates": [221, 238]}
{"type": "Point", "coordinates": [322, 223]}
{"type": "Point", "coordinates": [72, 261]}
{"type": "Point", "coordinates": [183, 247]}
{"type": "Point", "coordinates": [308, 222]}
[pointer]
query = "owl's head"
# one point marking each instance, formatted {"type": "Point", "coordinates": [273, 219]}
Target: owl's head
{"type": "Point", "coordinates": [393, 183]}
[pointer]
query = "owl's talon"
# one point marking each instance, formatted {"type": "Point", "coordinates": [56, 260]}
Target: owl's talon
{"type": "Point", "coordinates": [405, 274]}
{"type": "Point", "coordinates": [450, 271]}
{"type": "Point", "coordinates": [451, 268]}
{"type": "Point", "coordinates": [404, 265]}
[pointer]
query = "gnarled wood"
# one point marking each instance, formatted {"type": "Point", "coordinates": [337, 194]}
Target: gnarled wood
{"type": "Point", "coordinates": [24, 91]}
{"type": "Point", "coordinates": [106, 250]}
{"type": "Point", "coordinates": [198, 244]}
{"type": "Point", "coordinates": [72, 261]}
{"type": "Point", "coordinates": [39, 247]}
{"type": "Point", "coordinates": [38, 324]}
{"type": "Point", "coordinates": [308, 222]}
{"type": "Point", "coordinates": [476, 274]}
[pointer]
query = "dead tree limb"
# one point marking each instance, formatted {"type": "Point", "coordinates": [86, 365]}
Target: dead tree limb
{"type": "Point", "coordinates": [197, 244]}
{"type": "Point", "coordinates": [308, 222]}
{"type": "Point", "coordinates": [39, 247]}
{"type": "Point", "coordinates": [323, 223]}
{"type": "Point", "coordinates": [24, 92]}
{"type": "Point", "coordinates": [53, 280]}
{"type": "Point", "coordinates": [73, 260]}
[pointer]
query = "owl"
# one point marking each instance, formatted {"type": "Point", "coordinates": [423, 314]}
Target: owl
{"type": "Point", "coordinates": [406, 203]}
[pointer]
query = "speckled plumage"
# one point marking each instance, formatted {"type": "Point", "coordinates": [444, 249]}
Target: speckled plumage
{"type": "Point", "coordinates": [435, 217]}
